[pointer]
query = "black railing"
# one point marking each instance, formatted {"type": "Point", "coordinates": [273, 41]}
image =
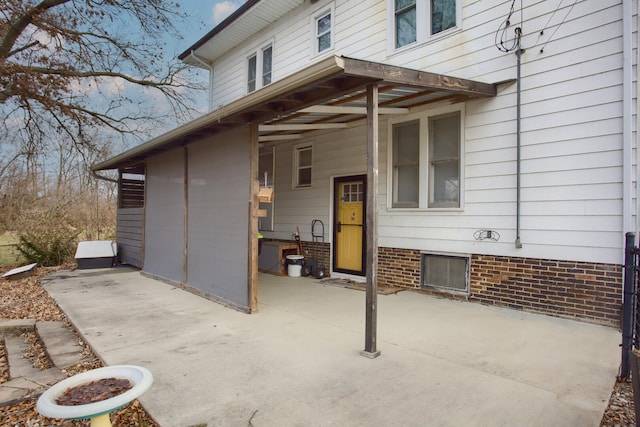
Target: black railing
{"type": "Point", "coordinates": [630, 305]}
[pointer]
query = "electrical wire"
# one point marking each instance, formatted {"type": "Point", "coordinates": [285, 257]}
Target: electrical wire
{"type": "Point", "coordinates": [557, 26]}
{"type": "Point", "coordinates": [502, 40]}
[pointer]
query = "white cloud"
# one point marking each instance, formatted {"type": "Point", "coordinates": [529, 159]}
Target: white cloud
{"type": "Point", "coordinates": [223, 9]}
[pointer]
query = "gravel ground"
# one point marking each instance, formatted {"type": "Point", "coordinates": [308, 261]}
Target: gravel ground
{"type": "Point", "coordinates": [27, 299]}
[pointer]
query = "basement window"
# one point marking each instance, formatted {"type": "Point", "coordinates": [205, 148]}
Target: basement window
{"type": "Point", "coordinates": [445, 272]}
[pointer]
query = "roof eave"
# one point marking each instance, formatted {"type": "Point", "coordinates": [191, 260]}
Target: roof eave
{"type": "Point", "coordinates": [319, 83]}
{"type": "Point", "coordinates": [329, 66]}
{"type": "Point", "coordinates": [218, 28]}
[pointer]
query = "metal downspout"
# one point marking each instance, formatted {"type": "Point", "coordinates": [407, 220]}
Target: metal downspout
{"type": "Point", "coordinates": [637, 177]}
{"type": "Point", "coordinates": [627, 199]}
{"type": "Point", "coordinates": [209, 67]}
{"type": "Point", "coordinates": [104, 178]}
{"type": "Point", "coordinates": [518, 117]}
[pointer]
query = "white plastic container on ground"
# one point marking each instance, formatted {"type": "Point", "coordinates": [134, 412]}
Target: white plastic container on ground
{"type": "Point", "coordinates": [295, 263]}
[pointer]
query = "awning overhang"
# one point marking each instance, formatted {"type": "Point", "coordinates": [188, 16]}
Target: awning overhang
{"type": "Point", "coordinates": [330, 92]}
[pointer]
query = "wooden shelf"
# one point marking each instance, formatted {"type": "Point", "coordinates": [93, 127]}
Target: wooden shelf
{"type": "Point", "coordinates": [273, 254]}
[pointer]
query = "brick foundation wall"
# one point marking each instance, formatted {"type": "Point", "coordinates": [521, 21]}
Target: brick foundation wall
{"type": "Point", "coordinates": [585, 291]}
{"type": "Point", "coordinates": [399, 267]}
{"type": "Point", "coordinates": [320, 251]}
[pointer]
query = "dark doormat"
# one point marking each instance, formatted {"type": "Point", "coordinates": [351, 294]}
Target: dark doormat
{"type": "Point", "coordinates": [359, 286]}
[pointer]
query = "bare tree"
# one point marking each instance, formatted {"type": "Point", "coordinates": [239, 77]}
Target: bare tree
{"type": "Point", "coordinates": [67, 66]}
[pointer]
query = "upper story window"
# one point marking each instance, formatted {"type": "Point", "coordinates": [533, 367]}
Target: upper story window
{"type": "Point", "coordinates": [426, 162]}
{"type": "Point", "coordinates": [405, 22]}
{"type": "Point", "coordinates": [443, 15]}
{"type": "Point", "coordinates": [323, 26]}
{"type": "Point", "coordinates": [417, 20]}
{"type": "Point", "coordinates": [303, 164]}
{"type": "Point", "coordinates": [261, 60]}
{"type": "Point", "coordinates": [267, 56]}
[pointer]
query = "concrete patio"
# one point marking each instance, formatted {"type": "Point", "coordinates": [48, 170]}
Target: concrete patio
{"type": "Point", "coordinates": [296, 362]}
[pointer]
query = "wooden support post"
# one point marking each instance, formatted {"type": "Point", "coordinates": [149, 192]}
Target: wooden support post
{"type": "Point", "coordinates": [371, 225]}
{"type": "Point", "coordinates": [254, 204]}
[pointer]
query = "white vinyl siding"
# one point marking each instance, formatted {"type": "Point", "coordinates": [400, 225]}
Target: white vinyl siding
{"type": "Point", "coordinates": [571, 168]}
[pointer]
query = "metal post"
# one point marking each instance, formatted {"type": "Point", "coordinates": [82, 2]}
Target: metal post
{"type": "Point", "coordinates": [627, 303]}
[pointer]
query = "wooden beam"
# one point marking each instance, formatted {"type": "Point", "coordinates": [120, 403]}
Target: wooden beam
{"type": "Point", "coordinates": [254, 203]}
{"type": "Point", "coordinates": [371, 226]}
{"type": "Point", "coordinates": [310, 126]}
{"type": "Point", "coordinates": [416, 78]}
{"type": "Point", "coordinates": [267, 138]}
{"type": "Point", "coordinates": [340, 109]}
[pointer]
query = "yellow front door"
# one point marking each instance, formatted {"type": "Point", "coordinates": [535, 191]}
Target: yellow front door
{"type": "Point", "coordinates": [349, 226]}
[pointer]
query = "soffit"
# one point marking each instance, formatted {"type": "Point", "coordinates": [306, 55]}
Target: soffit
{"type": "Point", "coordinates": [248, 20]}
{"type": "Point", "coordinates": [329, 94]}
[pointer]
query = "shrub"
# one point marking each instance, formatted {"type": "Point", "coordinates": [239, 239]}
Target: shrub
{"type": "Point", "coordinates": [47, 236]}
{"type": "Point", "coordinates": [46, 250]}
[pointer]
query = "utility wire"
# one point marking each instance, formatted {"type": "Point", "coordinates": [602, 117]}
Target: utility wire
{"type": "Point", "coordinates": [557, 26]}
{"type": "Point", "coordinates": [502, 40]}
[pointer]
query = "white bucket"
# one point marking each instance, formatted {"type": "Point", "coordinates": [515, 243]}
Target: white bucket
{"type": "Point", "coordinates": [295, 268]}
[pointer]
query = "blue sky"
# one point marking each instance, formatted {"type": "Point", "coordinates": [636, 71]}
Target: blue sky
{"type": "Point", "coordinates": [204, 16]}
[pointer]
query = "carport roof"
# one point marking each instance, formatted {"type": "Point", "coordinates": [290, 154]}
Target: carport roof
{"type": "Point", "coordinates": [328, 94]}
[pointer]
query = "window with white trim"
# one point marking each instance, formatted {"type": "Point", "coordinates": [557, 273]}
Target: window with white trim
{"type": "Point", "coordinates": [259, 68]}
{"type": "Point", "coordinates": [444, 161]}
{"type": "Point", "coordinates": [426, 158]}
{"type": "Point", "coordinates": [303, 166]}
{"type": "Point", "coordinates": [417, 20]}
{"type": "Point", "coordinates": [406, 164]}
{"type": "Point", "coordinates": [446, 272]}
{"type": "Point", "coordinates": [323, 26]}
{"type": "Point", "coordinates": [405, 22]}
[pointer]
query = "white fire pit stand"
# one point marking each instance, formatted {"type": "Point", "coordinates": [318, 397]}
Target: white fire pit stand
{"type": "Point", "coordinates": [139, 377]}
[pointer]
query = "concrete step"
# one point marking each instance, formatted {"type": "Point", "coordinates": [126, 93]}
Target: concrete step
{"type": "Point", "coordinates": [25, 380]}
{"type": "Point", "coordinates": [19, 366]}
{"type": "Point", "coordinates": [60, 343]}
{"type": "Point", "coordinates": [10, 327]}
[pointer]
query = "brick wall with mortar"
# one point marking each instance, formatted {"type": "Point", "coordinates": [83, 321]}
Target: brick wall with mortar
{"type": "Point", "coordinates": [319, 251]}
{"type": "Point", "coordinates": [585, 291]}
